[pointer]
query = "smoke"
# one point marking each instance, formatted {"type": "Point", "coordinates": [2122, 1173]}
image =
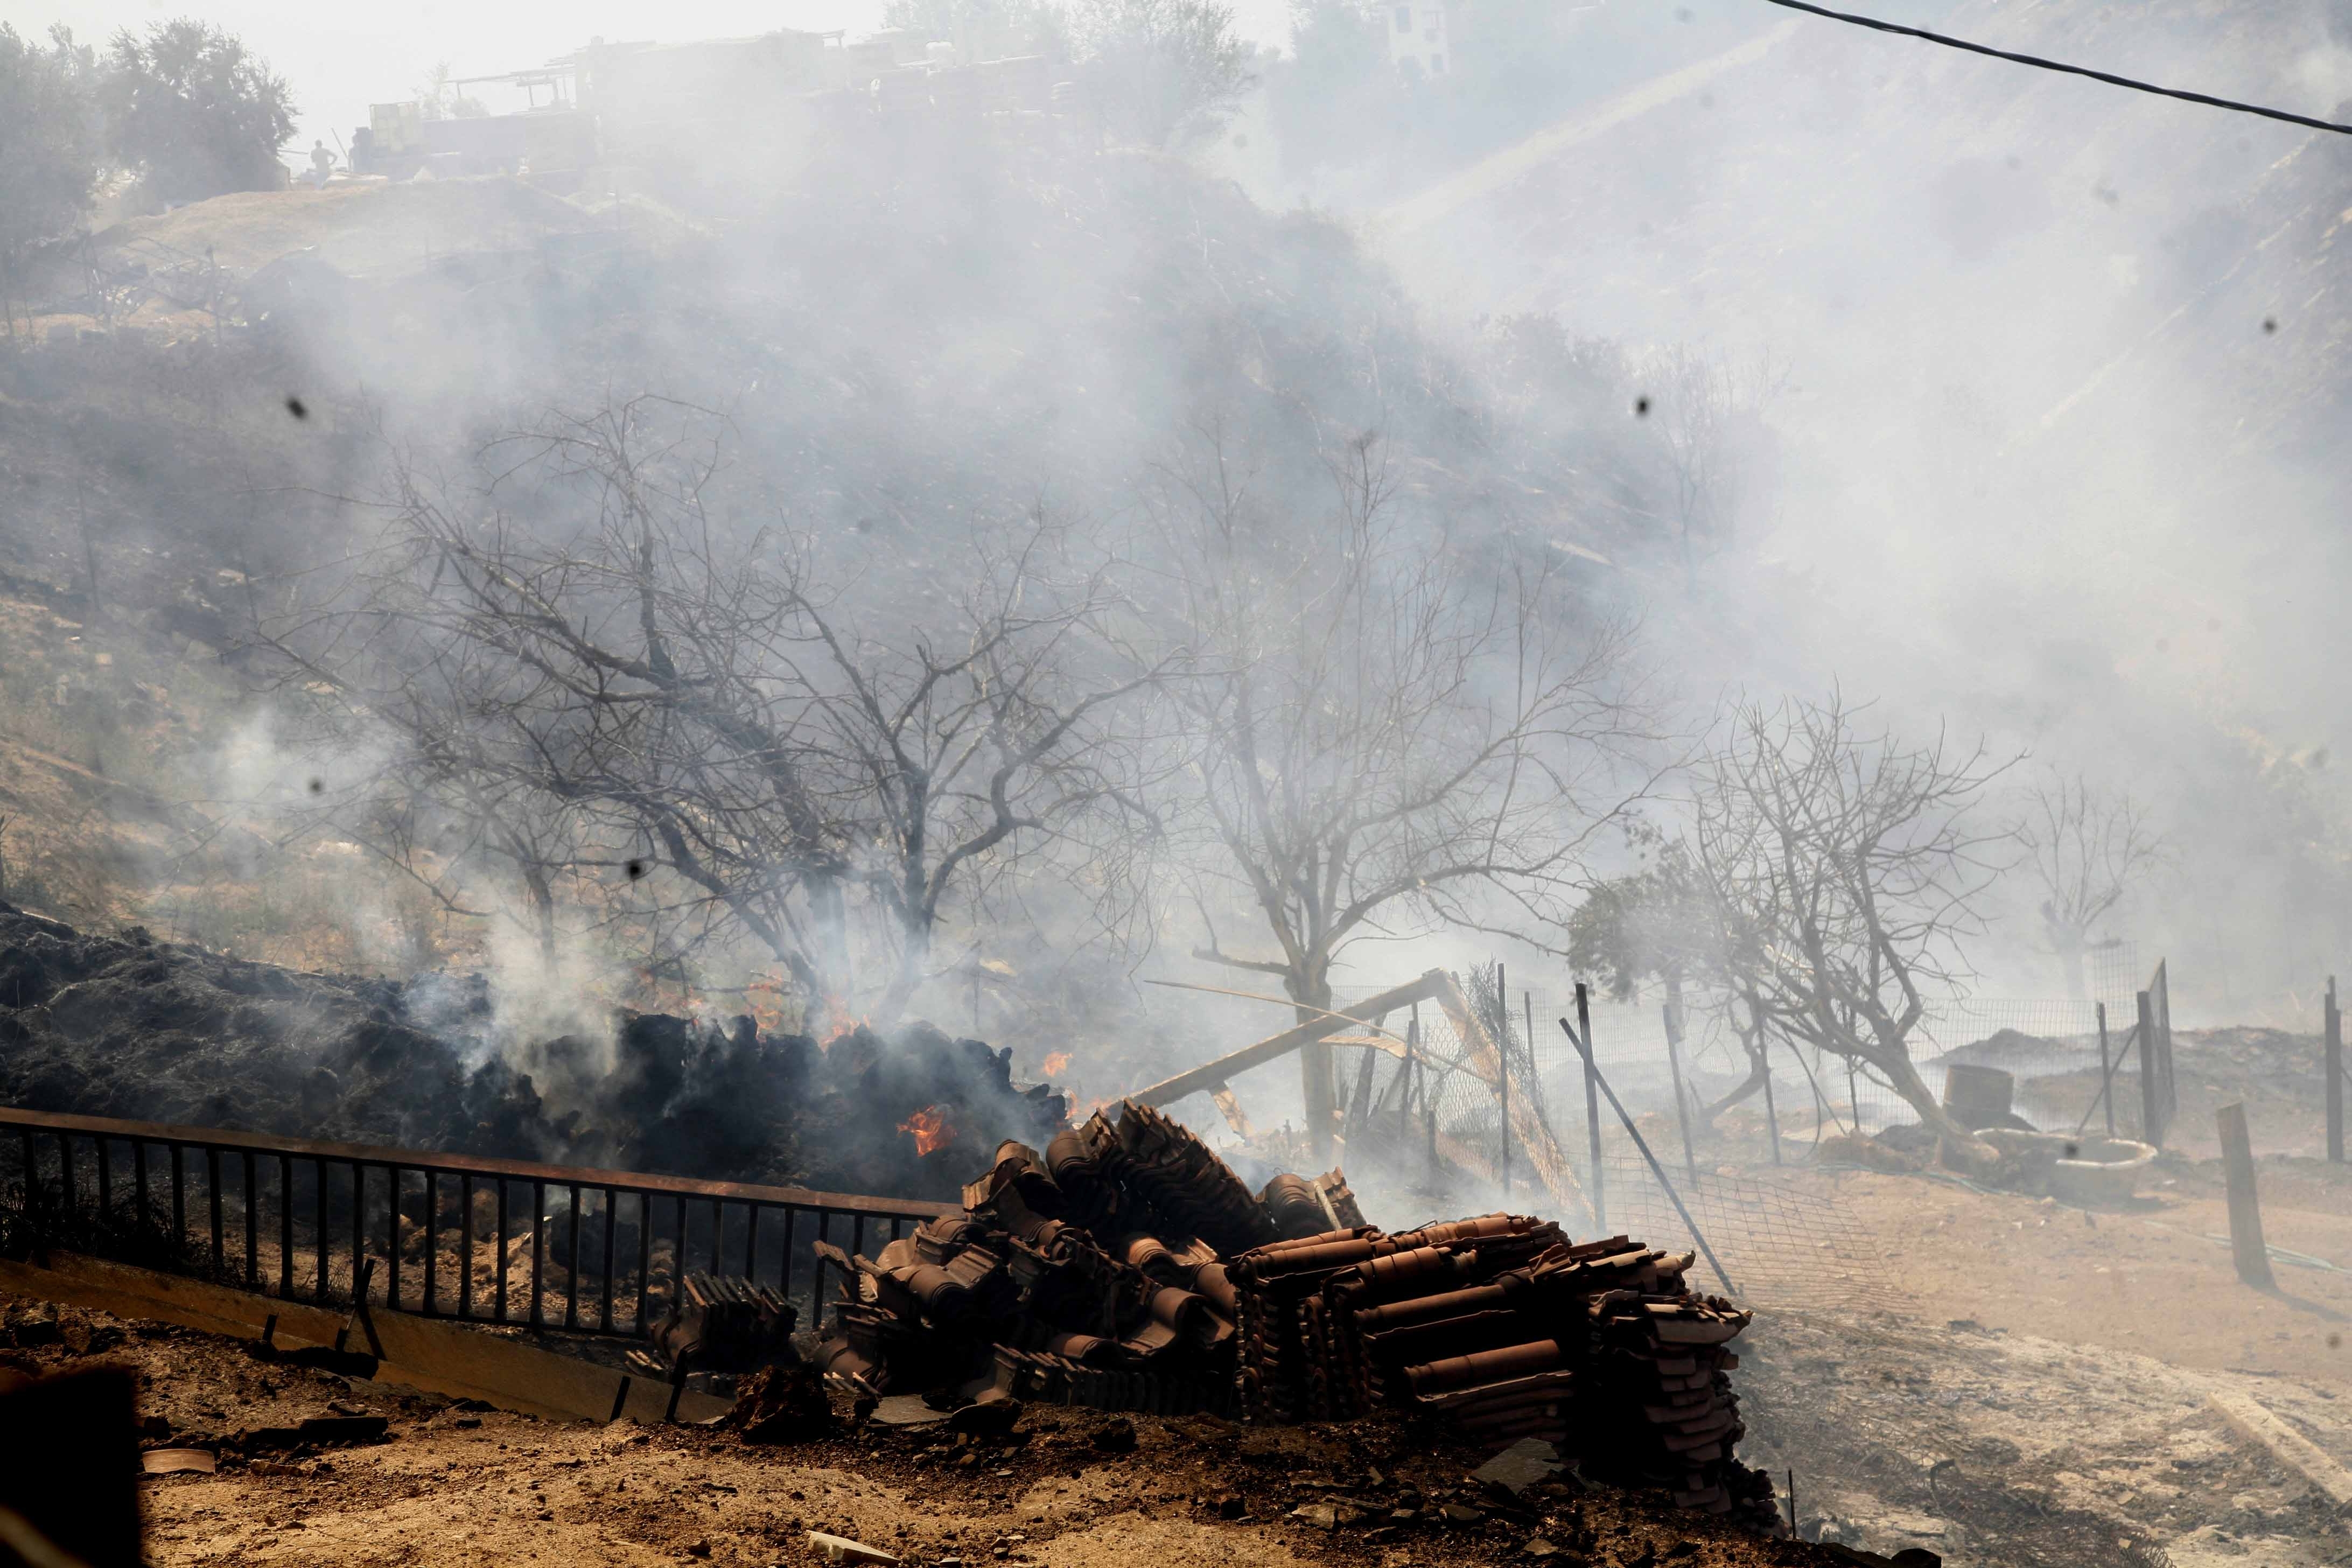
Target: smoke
{"type": "Point", "coordinates": [2050, 468]}
{"type": "Point", "coordinates": [1835, 360]}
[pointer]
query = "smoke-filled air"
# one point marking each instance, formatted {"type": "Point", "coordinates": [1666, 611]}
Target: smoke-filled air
{"type": "Point", "coordinates": [1540, 782]}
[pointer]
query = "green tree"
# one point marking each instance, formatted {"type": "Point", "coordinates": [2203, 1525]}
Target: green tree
{"type": "Point", "coordinates": [49, 139]}
{"type": "Point", "coordinates": [1164, 71]}
{"type": "Point", "coordinates": [1665, 923]}
{"type": "Point", "coordinates": [196, 109]}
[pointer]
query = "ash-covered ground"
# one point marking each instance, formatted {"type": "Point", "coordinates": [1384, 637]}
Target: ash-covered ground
{"type": "Point", "coordinates": [125, 1026]}
{"type": "Point", "coordinates": [447, 1483]}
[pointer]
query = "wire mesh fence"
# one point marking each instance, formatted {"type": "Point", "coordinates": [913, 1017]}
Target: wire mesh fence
{"type": "Point", "coordinates": [1783, 1244]}
{"type": "Point", "coordinates": [2051, 1047]}
{"type": "Point", "coordinates": [1781, 1247]}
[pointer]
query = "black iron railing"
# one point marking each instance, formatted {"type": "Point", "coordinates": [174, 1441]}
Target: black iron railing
{"type": "Point", "coordinates": [498, 1241]}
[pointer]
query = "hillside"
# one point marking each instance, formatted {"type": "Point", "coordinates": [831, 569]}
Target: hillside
{"type": "Point", "coordinates": [2057, 373]}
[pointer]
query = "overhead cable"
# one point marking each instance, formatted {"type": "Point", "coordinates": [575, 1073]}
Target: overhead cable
{"type": "Point", "coordinates": [1875, 25]}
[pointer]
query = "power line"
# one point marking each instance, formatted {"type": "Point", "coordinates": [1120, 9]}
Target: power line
{"type": "Point", "coordinates": [2039, 64]}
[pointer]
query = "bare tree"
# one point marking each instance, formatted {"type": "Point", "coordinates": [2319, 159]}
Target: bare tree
{"type": "Point", "coordinates": [739, 747]}
{"type": "Point", "coordinates": [1706, 409]}
{"type": "Point", "coordinates": [2085, 848]}
{"type": "Point", "coordinates": [1858, 865]}
{"type": "Point", "coordinates": [1390, 733]}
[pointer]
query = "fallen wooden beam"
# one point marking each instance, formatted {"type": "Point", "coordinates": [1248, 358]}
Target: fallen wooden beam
{"type": "Point", "coordinates": [1209, 1075]}
{"type": "Point", "coordinates": [2290, 1448]}
{"type": "Point", "coordinates": [430, 1353]}
{"type": "Point", "coordinates": [1230, 1105]}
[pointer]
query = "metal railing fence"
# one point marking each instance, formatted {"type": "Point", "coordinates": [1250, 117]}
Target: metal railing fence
{"type": "Point", "coordinates": [494, 1241]}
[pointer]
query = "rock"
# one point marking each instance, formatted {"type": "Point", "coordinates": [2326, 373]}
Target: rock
{"type": "Point", "coordinates": [907, 1410]}
{"type": "Point", "coordinates": [697, 1549]}
{"type": "Point", "coordinates": [1918, 1557]}
{"type": "Point", "coordinates": [1228, 1505]}
{"type": "Point", "coordinates": [1316, 1515]}
{"type": "Point", "coordinates": [176, 1462]}
{"type": "Point", "coordinates": [1536, 1546]}
{"type": "Point", "coordinates": [34, 1326]}
{"type": "Point", "coordinates": [1461, 1514]}
{"type": "Point", "coordinates": [1520, 1466]}
{"type": "Point", "coordinates": [841, 1549]}
{"type": "Point", "coordinates": [343, 1429]}
{"type": "Point", "coordinates": [1115, 1435]}
{"type": "Point", "coordinates": [993, 1418]}
{"type": "Point", "coordinates": [783, 1403]}
{"type": "Point", "coordinates": [315, 1430]}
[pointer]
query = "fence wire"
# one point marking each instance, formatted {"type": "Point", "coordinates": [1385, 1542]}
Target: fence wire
{"type": "Point", "coordinates": [1785, 1249]}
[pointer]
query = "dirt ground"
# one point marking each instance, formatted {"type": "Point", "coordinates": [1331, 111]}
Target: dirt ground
{"type": "Point", "coordinates": [2037, 1398]}
{"type": "Point", "coordinates": [2040, 1395]}
{"type": "Point", "coordinates": [455, 1485]}
{"type": "Point", "coordinates": [2150, 1281]}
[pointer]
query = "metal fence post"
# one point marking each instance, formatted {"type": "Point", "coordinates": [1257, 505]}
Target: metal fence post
{"type": "Point", "coordinates": [1764, 1055]}
{"type": "Point", "coordinates": [1675, 1067]}
{"type": "Point", "coordinates": [2151, 1117]}
{"type": "Point", "coordinates": [2103, 1076]}
{"type": "Point", "coordinates": [2334, 1054]}
{"type": "Point", "coordinates": [1503, 1081]}
{"type": "Point", "coordinates": [1591, 1102]}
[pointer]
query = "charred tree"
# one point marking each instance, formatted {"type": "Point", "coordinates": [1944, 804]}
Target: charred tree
{"type": "Point", "coordinates": [1858, 865]}
{"type": "Point", "coordinates": [1387, 730]}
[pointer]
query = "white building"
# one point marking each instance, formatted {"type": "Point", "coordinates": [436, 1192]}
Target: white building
{"type": "Point", "coordinates": [1417, 34]}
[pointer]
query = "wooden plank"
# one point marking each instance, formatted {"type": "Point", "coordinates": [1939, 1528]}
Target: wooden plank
{"type": "Point", "coordinates": [1551, 1166]}
{"type": "Point", "coordinates": [1167, 1091]}
{"type": "Point", "coordinates": [2246, 1243]}
{"type": "Point", "coordinates": [2290, 1448]}
{"type": "Point", "coordinates": [422, 1352]}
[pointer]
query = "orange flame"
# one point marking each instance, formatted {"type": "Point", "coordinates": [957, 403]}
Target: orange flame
{"type": "Point", "coordinates": [1058, 1064]}
{"type": "Point", "coordinates": [930, 1128]}
{"type": "Point", "coordinates": [834, 1021]}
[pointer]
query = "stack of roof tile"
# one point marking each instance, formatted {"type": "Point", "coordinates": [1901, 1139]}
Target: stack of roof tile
{"type": "Point", "coordinates": [1127, 1268]}
{"type": "Point", "coordinates": [721, 1322]}
{"type": "Point", "coordinates": [1090, 1274]}
{"type": "Point", "coordinates": [1658, 1376]}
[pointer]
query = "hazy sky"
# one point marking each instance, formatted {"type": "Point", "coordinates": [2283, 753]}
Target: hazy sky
{"type": "Point", "coordinates": [342, 58]}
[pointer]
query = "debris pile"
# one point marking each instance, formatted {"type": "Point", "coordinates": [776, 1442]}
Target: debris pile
{"type": "Point", "coordinates": [1127, 1268]}
{"type": "Point", "coordinates": [726, 1324]}
{"type": "Point", "coordinates": [131, 1027]}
